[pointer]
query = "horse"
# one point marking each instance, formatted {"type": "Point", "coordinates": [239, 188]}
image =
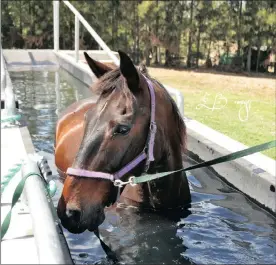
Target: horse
{"type": "Point", "coordinates": [133, 127]}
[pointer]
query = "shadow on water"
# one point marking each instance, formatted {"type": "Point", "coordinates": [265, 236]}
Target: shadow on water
{"type": "Point", "coordinates": [221, 226]}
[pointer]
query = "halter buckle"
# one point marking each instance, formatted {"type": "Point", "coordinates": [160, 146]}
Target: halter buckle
{"type": "Point", "coordinates": [153, 126]}
{"type": "Point", "coordinates": [120, 184]}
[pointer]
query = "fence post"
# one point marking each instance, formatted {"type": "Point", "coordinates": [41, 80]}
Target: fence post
{"type": "Point", "coordinates": [77, 38]}
{"type": "Point", "coordinates": [56, 25]}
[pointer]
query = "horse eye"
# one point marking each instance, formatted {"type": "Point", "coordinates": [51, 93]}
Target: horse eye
{"type": "Point", "coordinates": [121, 129]}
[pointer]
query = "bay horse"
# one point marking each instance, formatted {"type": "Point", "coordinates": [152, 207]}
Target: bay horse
{"type": "Point", "coordinates": [98, 139]}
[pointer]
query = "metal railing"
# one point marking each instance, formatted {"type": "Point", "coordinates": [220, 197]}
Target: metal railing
{"type": "Point", "coordinates": [7, 89]}
{"type": "Point", "coordinates": [51, 244]}
{"type": "Point", "coordinates": [79, 18]}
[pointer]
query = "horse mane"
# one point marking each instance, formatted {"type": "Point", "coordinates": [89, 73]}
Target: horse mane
{"type": "Point", "coordinates": [180, 125]}
{"type": "Point", "coordinates": [111, 80]}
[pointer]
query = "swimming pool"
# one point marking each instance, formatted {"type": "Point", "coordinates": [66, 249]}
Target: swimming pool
{"type": "Point", "coordinates": [221, 227]}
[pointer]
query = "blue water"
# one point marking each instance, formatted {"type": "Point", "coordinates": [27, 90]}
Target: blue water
{"type": "Point", "coordinates": [221, 227]}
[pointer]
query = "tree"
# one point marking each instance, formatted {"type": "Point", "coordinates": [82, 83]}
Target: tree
{"type": "Point", "coordinates": [143, 28]}
{"type": "Point", "coordinates": [190, 34]}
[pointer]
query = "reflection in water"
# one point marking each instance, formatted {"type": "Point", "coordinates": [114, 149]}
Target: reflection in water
{"type": "Point", "coordinates": [57, 91]}
{"type": "Point", "coordinates": [220, 227]}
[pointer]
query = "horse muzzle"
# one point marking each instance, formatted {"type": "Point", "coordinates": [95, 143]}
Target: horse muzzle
{"type": "Point", "coordinates": [76, 219]}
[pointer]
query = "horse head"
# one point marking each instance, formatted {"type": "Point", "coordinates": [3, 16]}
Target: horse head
{"type": "Point", "coordinates": [116, 131]}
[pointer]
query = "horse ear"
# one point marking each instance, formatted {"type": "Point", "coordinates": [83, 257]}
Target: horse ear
{"type": "Point", "coordinates": [99, 69]}
{"type": "Point", "coordinates": [129, 71]}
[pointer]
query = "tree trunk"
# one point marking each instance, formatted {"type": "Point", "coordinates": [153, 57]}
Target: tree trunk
{"type": "Point", "coordinates": [20, 17]}
{"type": "Point", "coordinates": [156, 55]}
{"type": "Point", "coordinates": [248, 66]}
{"type": "Point", "coordinates": [113, 26]}
{"type": "Point", "coordinates": [137, 36]}
{"type": "Point", "coordinates": [156, 34]}
{"type": "Point", "coordinates": [197, 46]}
{"type": "Point", "coordinates": [116, 27]}
{"type": "Point", "coordinates": [190, 35]}
{"type": "Point", "coordinates": [147, 56]}
{"type": "Point", "coordinates": [209, 47]}
{"type": "Point", "coordinates": [167, 57]}
{"type": "Point", "coordinates": [32, 19]}
{"type": "Point", "coordinates": [258, 57]}
{"type": "Point", "coordinates": [227, 49]}
{"type": "Point", "coordinates": [125, 40]}
{"type": "Point", "coordinates": [159, 55]}
{"type": "Point", "coordinates": [180, 30]}
{"type": "Point", "coordinates": [239, 28]}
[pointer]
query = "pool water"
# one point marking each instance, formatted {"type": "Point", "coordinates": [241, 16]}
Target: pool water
{"type": "Point", "coordinates": [220, 227]}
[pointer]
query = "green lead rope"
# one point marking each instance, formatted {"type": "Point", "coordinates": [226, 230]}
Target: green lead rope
{"type": "Point", "coordinates": [226, 158]}
{"type": "Point", "coordinates": [51, 189]}
{"type": "Point", "coordinates": [16, 195]}
{"type": "Point", "coordinates": [5, 180]}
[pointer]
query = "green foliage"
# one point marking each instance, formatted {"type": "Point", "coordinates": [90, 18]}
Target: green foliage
{"type": "Point", "coordinates": [143, 28]}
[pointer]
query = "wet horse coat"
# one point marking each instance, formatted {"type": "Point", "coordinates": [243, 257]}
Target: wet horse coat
{"type": "Point", "coordinates": [106, 135]}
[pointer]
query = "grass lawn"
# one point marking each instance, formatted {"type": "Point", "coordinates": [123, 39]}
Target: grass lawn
{"type": "Point", "coordinates": [241, 107]}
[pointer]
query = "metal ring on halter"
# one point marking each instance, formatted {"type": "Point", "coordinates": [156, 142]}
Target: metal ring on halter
{"type": "Point", "coordinates": [131, 181]}
{"type": "Point", "coordinates": [120, 184]}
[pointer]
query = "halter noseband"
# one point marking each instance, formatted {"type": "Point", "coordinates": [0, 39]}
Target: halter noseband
{"type": "Point", "coordinates": [147, 152]}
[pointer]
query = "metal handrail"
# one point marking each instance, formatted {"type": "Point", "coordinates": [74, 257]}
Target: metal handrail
{"type": "Point", "coordinates": [178, 97]}
{"type": "Point", "coordinates": [78, 17]}
{"type": "Point", "coordinates": [3, 72]}
{"type": "Point", "coordinates": [7, 88]}
{"type": "Point", "coordinates": [51, 245]}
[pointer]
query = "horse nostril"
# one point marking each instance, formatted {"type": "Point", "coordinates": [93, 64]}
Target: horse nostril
{"type": "Point", "coordinates": [73, 214]}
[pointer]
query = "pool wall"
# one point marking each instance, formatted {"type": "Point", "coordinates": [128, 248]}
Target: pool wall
{"type": "Point", "coordinates": [253, 175]}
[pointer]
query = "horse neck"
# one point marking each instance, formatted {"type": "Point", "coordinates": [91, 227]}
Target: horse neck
{"type": "Point", "coordinates": [173, 189]}
{"type": "Point", "coordinates": [169, 191]}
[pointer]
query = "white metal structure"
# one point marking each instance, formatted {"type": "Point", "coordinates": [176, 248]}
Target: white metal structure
{"type": "Point", "coordinates": [79, 18]}
{"type": "Point", "coordinates": [7, 94]}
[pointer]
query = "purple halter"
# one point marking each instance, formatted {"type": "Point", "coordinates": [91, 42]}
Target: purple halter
{"type": "Point", "coordinates": [136, 161]}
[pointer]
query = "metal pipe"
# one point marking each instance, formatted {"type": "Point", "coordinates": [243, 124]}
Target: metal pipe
{"type": "Point", "coordinates": [179, 98]}
{"type": "Point", "coordinates": [3, 73]}
{"type": "Point", "coordinates": [77, 38]}
{"type": "Point", "coordinates": [10, 106]}
{"type": "Point", "coordinates": [56, 25]}
{"type": "Point", "coordinates": [93, 33]}
{"type": "Point", "coordinates": [51, 245]}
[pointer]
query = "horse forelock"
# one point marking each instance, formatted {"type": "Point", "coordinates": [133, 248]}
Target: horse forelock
{"type": "Point", "coordinates": [108, 82]}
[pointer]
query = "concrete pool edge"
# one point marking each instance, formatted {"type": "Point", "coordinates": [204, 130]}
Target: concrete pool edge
{"type": "Point", "coordinates": [253, 175]}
